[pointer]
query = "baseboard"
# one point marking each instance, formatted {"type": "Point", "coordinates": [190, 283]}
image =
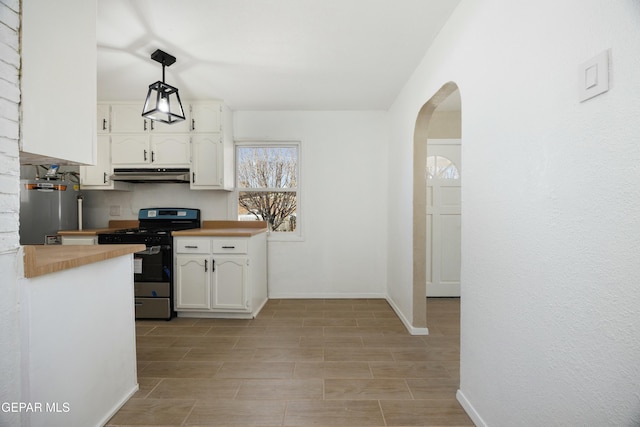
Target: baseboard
{"type": "Point", "coordinates": [119, 405]}
{"type": "Point", "coordinates": [326, 296]}
{"type": "Point", "coordinates": [412, 329]}
{"type": "Point", "coordinates": [469, 409]}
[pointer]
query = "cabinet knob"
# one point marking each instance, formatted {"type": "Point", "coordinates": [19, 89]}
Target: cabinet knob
{"type": "Point", "coordinates": [145, 155]}
{"type": "Point", "coordinates": [206, 263]}
{"type": "Point", "coordinates": [104, 124]}
{"type": "Point", "coordinates": [145, 126]}
{"type": "Point", "coordinates": [105, 177]}
{"type": "Point", "coordinates": [153, 156]}
{"type": "Point", "coordinates": [193, 124]}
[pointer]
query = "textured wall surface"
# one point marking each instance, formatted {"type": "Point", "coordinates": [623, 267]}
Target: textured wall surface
{"type": "Point", "coordinates": [550, 207]}
{"type": "Point", "coordinates": [9, 206]}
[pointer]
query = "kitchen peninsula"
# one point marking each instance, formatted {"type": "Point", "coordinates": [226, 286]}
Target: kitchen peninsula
{"type": "Point", "coordinates": [78, 332]}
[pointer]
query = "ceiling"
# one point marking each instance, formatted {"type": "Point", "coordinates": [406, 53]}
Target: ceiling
{"type": "Point", "coordinates": [268, 54]}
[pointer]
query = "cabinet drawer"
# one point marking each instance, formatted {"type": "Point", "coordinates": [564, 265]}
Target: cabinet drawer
{"type": "Point", "coordinates": [152, 289]}
{"type": "Point", "coordinates": [88, 240]}
{"type": "Point", "coordinates": [230, 246]}
{"type": "Point", "coordinates": [153, 308]}
{"type": "Point", "coordinates": [193, 246]}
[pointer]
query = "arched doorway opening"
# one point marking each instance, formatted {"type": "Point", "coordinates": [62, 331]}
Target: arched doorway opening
{"type": "Point", "coordinates": [439, 118]}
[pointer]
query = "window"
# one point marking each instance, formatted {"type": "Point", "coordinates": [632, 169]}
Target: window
{"type": "Point", "coordinates": [267, 177]}
{"type": "Point", "coordinates": [439, 167]}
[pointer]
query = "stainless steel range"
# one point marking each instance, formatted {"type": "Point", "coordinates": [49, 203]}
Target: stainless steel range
{"type": "Point", "coordinates": [153, 268]}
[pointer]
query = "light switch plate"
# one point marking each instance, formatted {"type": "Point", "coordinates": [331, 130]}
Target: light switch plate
{"type": "Point", "coordinates": [114, 210]}
{"type": "Point", "coordinates": [593, 77]}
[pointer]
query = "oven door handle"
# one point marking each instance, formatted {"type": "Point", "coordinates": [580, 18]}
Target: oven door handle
{"type": "Point", "coordinates": [151, 250]}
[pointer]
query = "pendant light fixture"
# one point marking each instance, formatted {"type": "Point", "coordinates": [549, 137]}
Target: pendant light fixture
{"type": "Point", "coordinates": [163, 102]}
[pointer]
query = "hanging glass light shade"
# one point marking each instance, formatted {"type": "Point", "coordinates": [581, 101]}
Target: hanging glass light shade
{"type": "Point", "coordinates": [163, 101]}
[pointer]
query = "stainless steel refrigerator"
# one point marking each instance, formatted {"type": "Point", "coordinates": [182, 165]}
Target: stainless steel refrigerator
{"type": "Point", "coordinates": [45, 208]}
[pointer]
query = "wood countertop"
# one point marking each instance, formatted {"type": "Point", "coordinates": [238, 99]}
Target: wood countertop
{"type": "Point", "coordinates": [87, 232]}
{"type": "Point", "coordinates": [225, 229]}
{"type": "Point", "coordinates": [114, 225]}
{"type": "Point", "coordinates": [46, 259]}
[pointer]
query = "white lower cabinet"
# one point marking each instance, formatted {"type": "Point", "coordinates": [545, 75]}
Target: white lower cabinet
{"type": "Point", "coordinates": [229, 283]}
{"type": "Point", "coordinates": [220, 276]}
{"type": "Point", "coordinates": [193, 289]}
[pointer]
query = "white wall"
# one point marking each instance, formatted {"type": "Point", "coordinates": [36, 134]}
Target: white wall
{"type": "Point", "coordinates": [550, 207]}
{"type": "Point", "coordinates": [213, 205]}
{"type": "Point", "coordinates": [10, 260]}
{"type": "Point", "coordinates": [78, 346]}
{"type": "Point", "coordinates": [343, 203]}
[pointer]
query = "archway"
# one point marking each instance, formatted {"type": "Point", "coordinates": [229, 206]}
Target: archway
{"type": "Point", "coordinates": [425, 124]}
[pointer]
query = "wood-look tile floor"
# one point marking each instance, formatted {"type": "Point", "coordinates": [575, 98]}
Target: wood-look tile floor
{"type": "Point", "coordinates": [299, 363]}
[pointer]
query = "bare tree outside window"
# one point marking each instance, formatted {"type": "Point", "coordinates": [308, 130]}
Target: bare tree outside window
{"type": "Point", "coordinates": [267, 180]}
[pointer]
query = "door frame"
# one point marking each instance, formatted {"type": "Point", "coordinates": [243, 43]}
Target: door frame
{"type": "Point", "coordinates": [420, 137]}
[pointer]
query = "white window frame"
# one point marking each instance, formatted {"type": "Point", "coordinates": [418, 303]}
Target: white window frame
{"type": "Point", "coordinates": [293, 236]}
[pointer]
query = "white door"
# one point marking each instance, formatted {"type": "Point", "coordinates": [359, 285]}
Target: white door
{"type": "Point", "coordinates": [443, 217]}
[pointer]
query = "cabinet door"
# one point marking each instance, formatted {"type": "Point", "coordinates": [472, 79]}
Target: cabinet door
{"type": "Point", "coordinates": [193, 288]}
{"type": "Point", "coordinates": [206, 165]}
{"type": "Point", "coordinates": [178, 127]}
{"type": "Point", "coordinates": [99, 175]}
{"type": "Point", "coordinates": [57, 79]}
{"type": "Point", "coordinates": [103, 118]}
{"type": "Point", "coordinates": [228, 283]}
{"type": "Point", "coordinates": [170, 150]}
{"type": "Point", "coordinates": [205, 117]}
{"type": "Point", "coordinates": [127, 118]}
{"type": "Point", "coordinates": [130, 149]}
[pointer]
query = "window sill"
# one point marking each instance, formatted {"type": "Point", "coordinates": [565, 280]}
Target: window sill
{"type": "Point", "coordinates": [282, 237]}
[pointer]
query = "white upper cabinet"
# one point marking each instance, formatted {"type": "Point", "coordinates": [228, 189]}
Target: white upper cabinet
{"type": "Point", "coordinates": [98, 177]}
{"type": "Point", "coordinates": [58, 81]}
{"type": "Point", "coordinates": [136, 150]}
{"type": "Point", "coordinates": [103, 119]}
{"type": "Point", "coordinates": [127, 118]}
{"type": "Point", "coordinates": [212, 146]}
{"type": "Point", "coordinates": [179, 127]}
{"type": "Point", "coordinates": [131, 149]}
{"type": "Point", "coordinates": [205, 117]}
{"type": "Point", "coordinates": [203, 143]}
{"type": "Point", "coordinates": [170, 150]}
{"type": "Point", "coordinates": [206, 164]}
